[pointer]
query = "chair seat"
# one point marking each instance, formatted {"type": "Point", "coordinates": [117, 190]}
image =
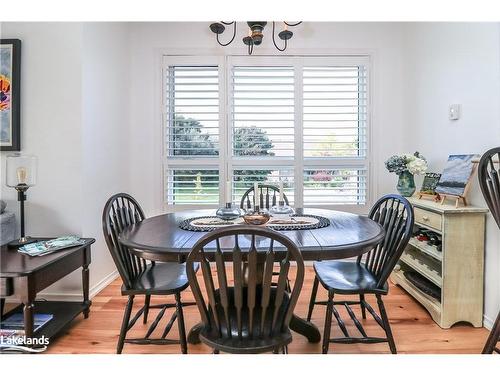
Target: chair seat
{"type": "Point", "coordinates": [160, 278]}
{"type": "Point", "coordinates": [247, 343]}
{"type": "Point", "coordinates": [347, 278]}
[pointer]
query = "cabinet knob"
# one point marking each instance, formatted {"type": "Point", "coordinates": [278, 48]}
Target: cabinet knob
{"type": "Point", "coordinates": [425, 218]}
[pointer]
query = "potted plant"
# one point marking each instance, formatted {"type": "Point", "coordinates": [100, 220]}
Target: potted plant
{"type": "Point", "coordinates": [406, 166]}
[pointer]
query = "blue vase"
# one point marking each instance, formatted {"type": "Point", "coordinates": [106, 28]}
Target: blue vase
{"type": "Point", "coordinates": [406, 184]}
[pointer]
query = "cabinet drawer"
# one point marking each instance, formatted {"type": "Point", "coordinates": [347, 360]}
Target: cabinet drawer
{"type": "Point", "coordinates": [428, 218]}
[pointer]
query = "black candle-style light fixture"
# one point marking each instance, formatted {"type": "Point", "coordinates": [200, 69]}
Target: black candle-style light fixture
{"type": "Point", "coordinates": [255, 33]}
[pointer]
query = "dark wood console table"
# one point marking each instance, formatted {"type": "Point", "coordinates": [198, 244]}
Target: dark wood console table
{"type": "Point", "coordinates": [23, 276]}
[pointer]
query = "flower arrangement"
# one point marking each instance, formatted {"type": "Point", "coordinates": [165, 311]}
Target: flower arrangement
{"type": "Point", "coordinates": [412, 163]}
{"type": "Point", "coordinates": [405, 166]}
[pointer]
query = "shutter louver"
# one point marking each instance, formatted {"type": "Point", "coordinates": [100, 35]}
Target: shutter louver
{"type": "Point", "coordinates": [262, 111]}
{"type": "Point", "coordinates": [335, 111]}
{"type": "Point", "coordinates": [192, 102]}
{"type": "Point", "coordinates": [192, 186]}
{"type": "Point", "coordinates": [324, 186]}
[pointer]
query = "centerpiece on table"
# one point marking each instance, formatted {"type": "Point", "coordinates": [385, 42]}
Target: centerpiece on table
{"type": "Point", "coordinates": [281, 210]}
{"type": "Point", "coordinates": [229, 211]}
{"type": "Point", "coordinates": [257, 215]}
{"type": "Point", "coordinates": [406, 166]}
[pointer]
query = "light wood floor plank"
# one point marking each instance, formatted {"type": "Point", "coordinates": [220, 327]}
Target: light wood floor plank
{"type": "Point", "coordinates": [413, 329]}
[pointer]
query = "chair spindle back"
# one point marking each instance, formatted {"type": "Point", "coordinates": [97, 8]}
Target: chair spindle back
{"type": "Point", "coordinates": [489, 181]}
{"type": "Point", "coordinates": [395, 214]}
{"type": "Point", "coordinates": [251, 308]}
{"type": "Point", "coordinates": [120, 211]}
{"type": "Point", "coordinates": [268, 197]}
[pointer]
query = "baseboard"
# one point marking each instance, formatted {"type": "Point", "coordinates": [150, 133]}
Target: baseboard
{"type": "Point", "coordinates": [487, 322]}
{"type": "Point", "coordinates": [103, 283]}
{"type": "Point", "coordinates": [73, 296]}
{"type": "Point", "coordinates": [77, 296]}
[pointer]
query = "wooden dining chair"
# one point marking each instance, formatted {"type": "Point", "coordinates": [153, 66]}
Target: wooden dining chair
{"type": "Point", "coordinates": [143, 278]}
{"type": "Point", "coordinates": [489, 181]}
{"type": "Point", "coordinates": [245, 313]}
{"type": "Point", "coordinates": [367, 275]}
{"type": "Point", "coordinates": [268, 197]}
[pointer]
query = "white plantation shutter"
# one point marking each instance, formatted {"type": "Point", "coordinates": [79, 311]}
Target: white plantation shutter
{"type": "Point", "coordinates": [192, 186]}
{"type": "Point", "coordinates": [334, 111]}
{"type": "Point", "coordinates": [262, 110]}
{"type": "Point", "coordinates": [333, 186]}
{"type": "Point", "coordinates": [335, 140]}
{"type": "Point", "coordinates": [192, 110]}
{"type": "Point", "coordinates": [192, 125]}
{"type": "Point", "coordinates": [302, 120]}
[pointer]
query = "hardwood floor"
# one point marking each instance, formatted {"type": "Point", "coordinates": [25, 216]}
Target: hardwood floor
{"type": "Point", "coordinates": [413, 329]}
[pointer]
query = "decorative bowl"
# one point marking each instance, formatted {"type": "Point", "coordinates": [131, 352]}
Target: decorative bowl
{"type": "Point", "coordinates": [259, 217]}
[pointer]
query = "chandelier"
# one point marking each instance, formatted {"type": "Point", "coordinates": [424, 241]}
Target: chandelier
{"type": "Point", "coordinates": [255, 33]}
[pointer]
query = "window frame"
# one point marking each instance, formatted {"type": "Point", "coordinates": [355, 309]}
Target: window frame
{"type": "Point", "coordinates": [226, 162]}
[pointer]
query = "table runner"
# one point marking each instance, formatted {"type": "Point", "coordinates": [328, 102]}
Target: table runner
{"type": "Point", "coordinates": [295, 222]}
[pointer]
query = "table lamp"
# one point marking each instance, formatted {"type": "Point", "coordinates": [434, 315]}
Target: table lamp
{"type": "Point", "coordinates": [21, 175]}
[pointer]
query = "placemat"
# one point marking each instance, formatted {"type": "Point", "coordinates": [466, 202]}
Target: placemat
{"type": "Point", "coordinates": [296, 222]}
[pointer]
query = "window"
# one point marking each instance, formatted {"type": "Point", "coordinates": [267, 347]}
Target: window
{"type": "Point", "coordinates": [300, 120]}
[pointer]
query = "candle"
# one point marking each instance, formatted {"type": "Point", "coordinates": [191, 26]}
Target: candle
{"type": "Point", "coordinates": [286, 26]}
{"type": "Point", "coordinates": [255, 193]}
{"type": "Point", "coordinates": [282, 194]}
{"type": "Point", "coordinates": [229, 197]}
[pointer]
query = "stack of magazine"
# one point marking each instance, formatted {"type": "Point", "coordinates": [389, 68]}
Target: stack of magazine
{"type": "Point", "coordinates": [47, 247]}
{"type": "Point", "coordinates": [14, 324]}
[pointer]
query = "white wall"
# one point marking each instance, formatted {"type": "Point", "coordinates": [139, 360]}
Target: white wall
{"type": "Point", "coordinates": [457, 63]}
{"type": "Point", "coordinates": [51, 118]}
{"type": "Point", "coordinates": [74, 118]}
{"type": "Point", "coordinates": [384, 41]}
{"type": "Point", "coordinates": [105, 104]}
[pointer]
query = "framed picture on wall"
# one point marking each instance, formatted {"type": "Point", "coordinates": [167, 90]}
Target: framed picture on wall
{"type": "Point", "coordinates": [10, 95]}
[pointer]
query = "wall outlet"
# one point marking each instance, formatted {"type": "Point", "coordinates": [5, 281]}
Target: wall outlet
{"type": "Point", "coordinates": [454, 112]}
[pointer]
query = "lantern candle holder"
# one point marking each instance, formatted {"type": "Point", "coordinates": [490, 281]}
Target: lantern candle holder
{"type": "Point", "coordinates": [229, 211]}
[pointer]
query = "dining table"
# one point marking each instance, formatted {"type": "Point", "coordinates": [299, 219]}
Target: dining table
{"type": "Point", "coordinates": [161, 238]}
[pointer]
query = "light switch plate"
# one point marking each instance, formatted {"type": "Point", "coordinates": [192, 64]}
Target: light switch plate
{"type": "Point", "coordinates": [454, 112]}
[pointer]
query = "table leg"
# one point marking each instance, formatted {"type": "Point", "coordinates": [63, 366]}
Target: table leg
{"type": "Point", "coordinates": [305, 328]}
{"type": "Point", "coordinates": [29, 307]}
{"type": "Point", "coordinates": [194, 334]}
{"type": "Point", "coordinates": [28, 296]}
{"type": "Point", "coordinates": [85, 283]}
{"type": "Point", "coordinates": [299, 325]}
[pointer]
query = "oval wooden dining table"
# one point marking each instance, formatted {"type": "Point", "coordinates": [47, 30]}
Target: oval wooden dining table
{"type": "Point", "coordinates": [160, 238]}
